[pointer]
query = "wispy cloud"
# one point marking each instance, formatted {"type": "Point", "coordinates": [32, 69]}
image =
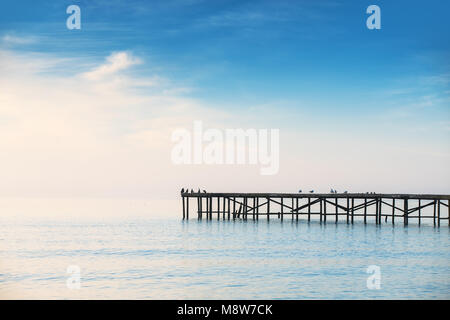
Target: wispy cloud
{"type": "Point", "coordinates": [9, 39]}
{"type": "Point", "coordinates": [115, 63]}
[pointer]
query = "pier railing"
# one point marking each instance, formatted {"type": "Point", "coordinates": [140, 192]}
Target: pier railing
{"type": "Point", "coordinates": [325, 207]}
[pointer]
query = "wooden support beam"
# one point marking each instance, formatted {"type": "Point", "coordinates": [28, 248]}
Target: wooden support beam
{"type": "Point", "coordinates": [325, 211]}
{"type": "Point", "coordinates": [296, 205]}
{"type": "Point", "coordinates": [320, 210]}
{"type": "Point", "coordinates": [187, 208]}
{"type": "Point", "coordinates": [405, 211]}
{"type": "Point", "coordinates": [292, 211]}
{"type": "Point", "coordinates": [309, 209]}
{"type": "Point", "coordinates": [420, 211]}
{"type": "Point", "coordinates": [434, 212]}
{"type": "Point", "coordinates": [228, 213]}
{"type": "Point", "coordinates": [353, 209]}
{"type": "Point", "coordinates": [376, 210]}
{"type": "Point", "coordinates": [257, 208]}
{"type": "Point", "coordinates": [439, 213]}
{"type": "Point", "coordinates": [268, 209]}
{"type": "Point", "coordinates": [282, 207]}
{"type": "Point", "coordinates": [381, 212]}
{"type": "Point", "coordinates": [184, 213]}
{"type": "Point", "coordinates": [336, 209]}
{"type": "Point", "coordinates": [393, 211]}
{"type": "Point", "coordinates": [210, 208]}
{"type": "Point", "coordinates": [218, 208]}
{"type": "Point", "coordinates": [365, 211]}
{"type": "Point", "coordinates": [348, 210]}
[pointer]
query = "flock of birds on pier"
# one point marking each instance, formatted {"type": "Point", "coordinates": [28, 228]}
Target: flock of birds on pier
{"type": "Point", "coordinates": [299, 191]}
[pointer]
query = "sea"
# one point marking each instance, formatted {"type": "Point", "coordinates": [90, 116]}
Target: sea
{"type": "Point", "coordinates": [166, 257]}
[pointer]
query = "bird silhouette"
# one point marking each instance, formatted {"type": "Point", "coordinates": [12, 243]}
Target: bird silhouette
{"type": "Point", "coordinates": [192, 191]}
{"type": "Point", "coordinates": [198, 190]}
{"type": "Point", "coordinates": [204, 191]}
{"type": "Point", "coordinates": [311, 191]}
{"type": "Point", "coordinates": [300, 191]}
{"type": "Point", "coordinates": [331, 191]}
{"type": "Point", "coordinates": [182, 190]}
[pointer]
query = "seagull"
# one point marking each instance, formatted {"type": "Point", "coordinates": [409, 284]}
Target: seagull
{"type": "Point", "coordinates": [312, 191]}
{"type": "Point", "coordinates": [204, 191]}
{"type": "Point", "coordinates": [300, 191]}
{"type": "Point", "coordinates": [182, 190]}
{"type": "Point", "coordinates": [331, 191]}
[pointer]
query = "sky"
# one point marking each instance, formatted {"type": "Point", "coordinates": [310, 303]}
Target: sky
{"type": "Point", "coordinates": [89, 113]}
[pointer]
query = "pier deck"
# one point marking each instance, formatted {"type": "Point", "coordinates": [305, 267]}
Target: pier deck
{"type": "Point", "coordinates": [334, 207]}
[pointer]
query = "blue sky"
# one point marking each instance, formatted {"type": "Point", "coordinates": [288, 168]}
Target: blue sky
{"type": "Point", "coordinates": [310, 68]}
{"type": "Point", "coordinates": [259, 50]}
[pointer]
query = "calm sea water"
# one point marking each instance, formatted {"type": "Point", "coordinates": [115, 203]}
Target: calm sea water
{"type": "Point", "coordinates": [174, 259]}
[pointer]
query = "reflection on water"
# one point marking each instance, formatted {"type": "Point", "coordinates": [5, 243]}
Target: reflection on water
{"type": "Point", "coordinates": [173, 259]}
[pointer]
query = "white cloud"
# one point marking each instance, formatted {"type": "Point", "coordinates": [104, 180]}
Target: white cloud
{"type": "Point", "coordinates": [116, 62]}
{"type": "Point", "coordinates": [9, 39]}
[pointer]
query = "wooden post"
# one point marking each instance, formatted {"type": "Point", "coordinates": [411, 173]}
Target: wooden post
{"type": "Point", "coordinates": [320, 210]}
{"type": "Point", "coordinates": [282, 209]}
{"type": "Point", "coordinates": [218, 208]}
{"type": "Point", "coordinates": [405, 209]}
{"type": "Point", "coordinates": [439, 212]}
{"type": "Point", "coordinates": [229, 208]}
{"type": "Point", "coordinates": [234, 208]}
{"type": "Point", "coordinates": [376, 210]}
{"type": "Point", "coordinates": [365, 211]}
{"type": "Point", "coordinates": [434, 212]}
{"type": "Point", "coordinates": [393, 211]}
{"type": "Point", "coordinates": [309, 209]}
{"type": "Point", "coordinates": [268, 208]}
{"type": "Point", "coordinates": [224, 206]}
{"type": "Point", "coordinates": [336, 209]}
{"type": "Point", "coordinates": [379, 208]}
{"type": "Point", "coordinates": [200, 200]}
{"type": "Point", "coordinates": [420, 212]}
{"type": "Point", "coordinates": [244, 213]}
{"type": "Point", "coordinates": [325, 210]}
{"type": "Point", "coordinates": [348, 209]}
{"type": "Point", "coordinates": [210, 208]}
{"type": "Point", "coordinates": [353, 210]}
{"type": "Point", "coordinates": [187, 208]}
{"type": "Point", "coordinates": [257, 208]}
{"type": "Point", "coordinates": [184, 214]}
{"type": "Point", "coordinates": [292, 210]}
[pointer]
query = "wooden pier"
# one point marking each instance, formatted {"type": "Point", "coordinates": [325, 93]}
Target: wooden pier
{"type": "Point", "coordinates": [325, 207]}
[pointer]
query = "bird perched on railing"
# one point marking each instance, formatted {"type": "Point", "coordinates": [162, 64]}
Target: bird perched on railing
{"type": "Point", "coordinates": [182, 190]}
{"type": "Point", "coordinates": [198, 190]}
{"type": "Point", "coordinates": [204, 191]}
{"type": "Point", "coordinates": [311, 191]}
{"type": "Point", "coordinates": [300, 191]}
{"type": "Point", "coordinates": [345, 192]}
{"type": "Point", "coordinates": [331, 191]}
{"type": "Point", "coordinates": [192, 191]}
